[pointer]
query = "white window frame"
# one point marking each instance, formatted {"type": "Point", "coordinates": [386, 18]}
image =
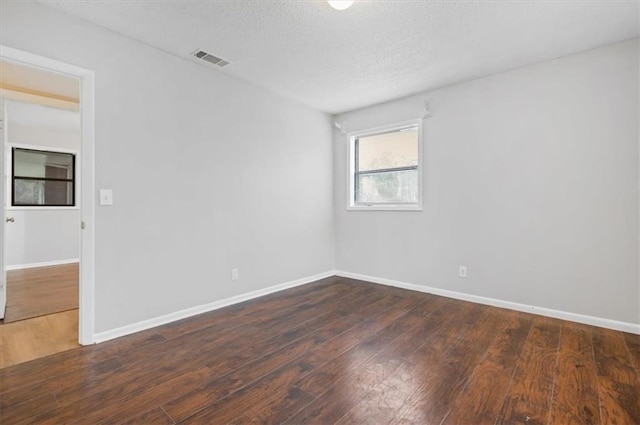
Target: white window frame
{"type": "Point", "coordinates": [352, 136]}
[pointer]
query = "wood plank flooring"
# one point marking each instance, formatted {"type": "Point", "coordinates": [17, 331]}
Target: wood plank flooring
{"type": "Point", "coordinates": [40, 291]}
{"type": "Point", "coordinates": [38, 337]}
{"type": "Point", "coordinates": [338, 351]}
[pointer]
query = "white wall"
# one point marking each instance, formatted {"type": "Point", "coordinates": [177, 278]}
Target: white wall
{"type": "Point", "coordinates": [208, 173]}
{"type": "Point", "coordinates": [42, 235]}
{"type": "Point", "coordinates": [531, 180]}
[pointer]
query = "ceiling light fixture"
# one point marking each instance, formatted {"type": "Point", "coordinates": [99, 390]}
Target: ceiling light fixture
{"type": "Point", "coordinates": [340, 4]}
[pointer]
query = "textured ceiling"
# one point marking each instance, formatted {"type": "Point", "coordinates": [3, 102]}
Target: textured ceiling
{"type": "Point", "coordinates": [373, 52]}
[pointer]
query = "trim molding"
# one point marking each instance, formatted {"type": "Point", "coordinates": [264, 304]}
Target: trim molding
{"type": "Point", "coordinates": [43, 264]}
{"type": "Point", "coordinates": [192, 311]}
{"type": "Point", "coordinates": [86, 170]}
{"type": "Point", "coordinates": [542, 311]}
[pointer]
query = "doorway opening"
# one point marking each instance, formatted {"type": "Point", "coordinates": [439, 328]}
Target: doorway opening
{"type": "Point", "coordinates": [46, 254]}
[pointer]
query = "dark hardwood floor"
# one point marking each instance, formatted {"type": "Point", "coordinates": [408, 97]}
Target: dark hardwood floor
{"type": "Point", "coordinates": [339, 351]}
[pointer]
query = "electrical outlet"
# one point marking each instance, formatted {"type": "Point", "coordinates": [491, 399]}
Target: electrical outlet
{"type": "Point", "coordinates": [235, 274]}
{"type": "Point", "coordinates": [462, 271]}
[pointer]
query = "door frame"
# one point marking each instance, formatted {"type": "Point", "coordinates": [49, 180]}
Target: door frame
{"type": "Point", "coordinates": [3, 175]}
{"type": "Point", "coordinates": [86, 319]}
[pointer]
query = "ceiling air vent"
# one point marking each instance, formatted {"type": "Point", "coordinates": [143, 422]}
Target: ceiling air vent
{"type": "Point", "coordinates": [201, 54]}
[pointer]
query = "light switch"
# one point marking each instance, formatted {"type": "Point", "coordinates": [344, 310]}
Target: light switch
{"type": "Point", "coordinates": [106, 197]}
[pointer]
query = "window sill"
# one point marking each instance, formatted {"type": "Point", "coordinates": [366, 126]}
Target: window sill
{"type": "Point", "coordinates": [384, 207]}
{"type": "Point", "coordinates": [42, 208]}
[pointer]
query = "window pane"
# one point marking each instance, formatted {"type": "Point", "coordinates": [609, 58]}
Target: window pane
{"type": "Point", "coordinates": [28, 192]}
{"type": "Point", "coordinates": [28, 163]}
{"type": "Point", "coordinates": [390, 150]}
{"type": "Point", "coordinates": [43, 192]}
{"type": "Point", "coordinates": [58, 193]}
{"type": "Point", "coordinates": [385, 187]}
{"type": "Point", "coordinates": [57, 172]}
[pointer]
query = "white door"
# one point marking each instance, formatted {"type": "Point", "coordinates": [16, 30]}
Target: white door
{"type": "Point", "coordinates": [3, 208]}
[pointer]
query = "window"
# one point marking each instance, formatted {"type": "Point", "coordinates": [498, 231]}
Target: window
{"type": "Point", "coordinates": [385, 168]}
{"type": "Point", "coordinates": [42, 178]}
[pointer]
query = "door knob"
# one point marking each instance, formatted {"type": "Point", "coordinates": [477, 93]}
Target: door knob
{"type": "Point", "coordinates": [10, 220]}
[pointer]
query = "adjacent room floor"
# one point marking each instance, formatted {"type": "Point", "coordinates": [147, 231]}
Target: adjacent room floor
{"type": "Point", "coordinates": [339, 351]}
{"type": "Point", "coordinates": [40, 291]}
{"type": "Point", "coordinates": [41, 317]}
{"type": "Point", "coordinates": [38, 337]}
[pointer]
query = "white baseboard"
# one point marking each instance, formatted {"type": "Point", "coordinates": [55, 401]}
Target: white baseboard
{"type": "Point", "coordinates": [542, 311]}
{"type": "Point", "coordinates": [43, 264]}
{"type": "Point", "coordinates": [183, 314]}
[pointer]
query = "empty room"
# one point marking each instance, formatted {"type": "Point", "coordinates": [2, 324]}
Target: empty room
{"type": "Point", "coordinates": [321, 212]}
